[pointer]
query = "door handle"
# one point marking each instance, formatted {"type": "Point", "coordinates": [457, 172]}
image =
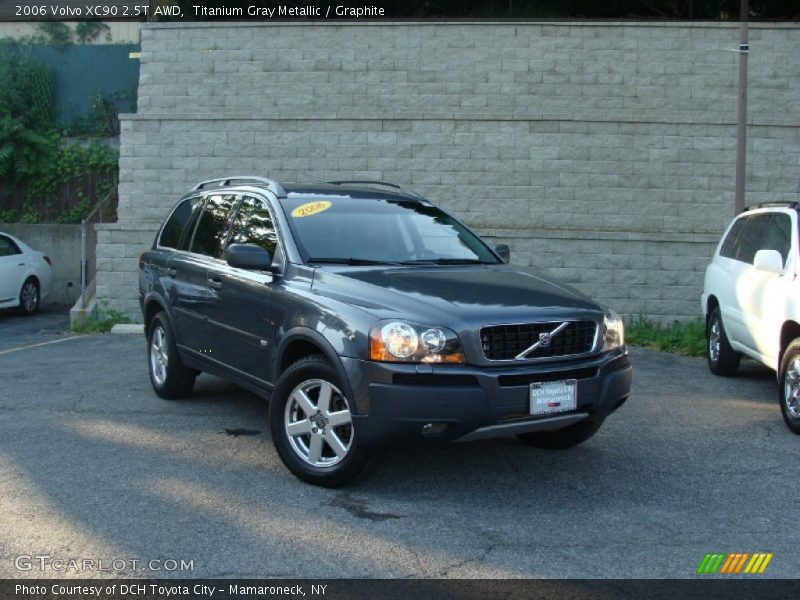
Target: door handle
{"type": "Point", "coordinates": [214, 283]}
{"type": "Point", "coordinates": [21, 265]}
{"type": "Point", "coordinates": [172, 272]}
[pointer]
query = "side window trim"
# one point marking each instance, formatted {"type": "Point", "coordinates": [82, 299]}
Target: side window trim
{"type": "Point", "coordinates": [727, 247]}
{"type": "Point", "coordinates": [15, 249]}
{"type": "Point", "coordinates": [194, 218]}
{"type": "Point", "coordinates": [229, 221]}
{"type": "Point", "coordinates": [169, 216]}
{"type": "Point", "coordinates": [279, 247]}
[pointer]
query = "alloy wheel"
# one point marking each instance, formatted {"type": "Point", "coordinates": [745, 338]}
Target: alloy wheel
{"type": "Point", "coordinates": [791, 388]}
{"type": "Point", "coordinates": [318, 423]}
{"type": "Point", "coordinates": [159, 357]}
{"type": "Point", "coordinates": [714, 340]}
{"type": "Point", "coordinates": [30, 296]}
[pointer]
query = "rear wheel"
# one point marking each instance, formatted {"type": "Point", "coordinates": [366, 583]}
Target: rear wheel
{"type": "Point", "coordinates": [312, 426]}
{"type": "Point", "coordinates": [170, 378]}
{"type": "Point", "coordinates": [563, 438]}
{"type": "Point", "coordinates": [789, 390]}
{"type": "Point", "coordinates": [29, 296]}
{"type": "Point", "coordinates": [722, 359]}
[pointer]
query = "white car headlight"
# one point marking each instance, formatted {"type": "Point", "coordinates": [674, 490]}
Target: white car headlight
{"type": "Point", "coordinates": [400, 341]}
{"type": "Point", "coordinates": [613, 331]}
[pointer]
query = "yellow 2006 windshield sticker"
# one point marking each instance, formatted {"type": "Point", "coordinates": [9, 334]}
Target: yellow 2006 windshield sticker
{"type": "Point", "coordinates": [311, 208]}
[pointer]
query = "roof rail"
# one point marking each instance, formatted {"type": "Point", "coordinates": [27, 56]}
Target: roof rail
{"type": "Point", "coordinates": [271, 184]}
{"type": "Point", "coordinates": [788, 203]}
{"type": "Point", "coordinates": [394, 186]}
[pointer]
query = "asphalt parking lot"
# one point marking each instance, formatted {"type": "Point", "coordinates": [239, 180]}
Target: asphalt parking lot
{"type": "Point", "coordinates": [94, 465]}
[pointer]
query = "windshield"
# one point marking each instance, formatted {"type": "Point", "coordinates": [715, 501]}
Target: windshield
{"type": "Point", "coordinates": [348, 230]}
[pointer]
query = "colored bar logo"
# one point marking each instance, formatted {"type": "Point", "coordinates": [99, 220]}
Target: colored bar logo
{"type": "Point", "coordinates": [736, 562]}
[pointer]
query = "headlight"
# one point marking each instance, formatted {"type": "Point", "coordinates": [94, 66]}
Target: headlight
{"type": "Point", "coordinates": [399, 341]}
{"type": "Point", "coordinates": [613, 331]}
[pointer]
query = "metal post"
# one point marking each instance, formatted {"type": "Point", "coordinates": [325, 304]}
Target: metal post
{"type": "Point", "coordinates": [741, 131]}
{"type": "Point", "coordinates": [84, 263]}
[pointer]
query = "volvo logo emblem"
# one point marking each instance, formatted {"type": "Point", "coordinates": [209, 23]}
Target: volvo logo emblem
{"type": "Point", "coordinates": [544, 341]}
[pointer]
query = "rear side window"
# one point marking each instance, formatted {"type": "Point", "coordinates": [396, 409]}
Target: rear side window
{"type": "Point", "coordinates": [253, 225]}
{"type": "Point", "coordinates": [8, 247]}
{"type": "Point", "coordinates": [176, 226]}
{"type": "Point", "coordinates": [212, 228]}
{"type": "Point", "coordinates": [779, 235]}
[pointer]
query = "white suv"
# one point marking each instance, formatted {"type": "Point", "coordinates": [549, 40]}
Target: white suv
{"type": "Point", "coordinates": [751, 299]}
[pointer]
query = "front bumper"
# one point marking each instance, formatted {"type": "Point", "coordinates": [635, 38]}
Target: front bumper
{"type": "Point", "coordinates": [394, 402]}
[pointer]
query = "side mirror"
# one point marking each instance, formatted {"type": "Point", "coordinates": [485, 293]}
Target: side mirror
{"type": "Point", "coordinates": [769, 261]}
{"type": "Point", "coordinates": [503, 251]}
{"type": "Point", "coordinates": [248, 256]}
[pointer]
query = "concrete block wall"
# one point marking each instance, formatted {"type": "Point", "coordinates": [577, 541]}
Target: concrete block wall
{"type": "Point", "coordinates": [602, 153]}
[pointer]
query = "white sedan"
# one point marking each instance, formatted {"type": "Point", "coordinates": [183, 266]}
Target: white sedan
{"type": "Point", "coordinates": [25, 275]}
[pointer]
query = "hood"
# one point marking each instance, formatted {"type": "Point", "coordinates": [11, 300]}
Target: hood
{"type": "Point", "coordinates": [474, 294]}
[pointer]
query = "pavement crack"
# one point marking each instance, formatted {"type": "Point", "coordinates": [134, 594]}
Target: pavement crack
{"type": "Point", "coordinates": [358, 508]}
{"type": "Point", "coordinates": [485, 552]}
{"type": "Point", "coordinates": [236, 432]}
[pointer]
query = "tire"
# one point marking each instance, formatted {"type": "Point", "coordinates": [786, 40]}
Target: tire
{"type": "Point", "coordinates": [321, 448]}
{"type": "Point", "coordinates": [170, 378]}
{"type": "Point", "coordinates": [722, 359]}
{"type": "Point", "coordinates": [29, 297]}
{"type": "Point", "coordinates": [563, 438]}
{"type": "Point", "coordinates": [789, 386]}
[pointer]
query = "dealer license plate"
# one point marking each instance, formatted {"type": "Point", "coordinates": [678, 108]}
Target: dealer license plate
{"type": "Point", "coordinates": [553, 396]}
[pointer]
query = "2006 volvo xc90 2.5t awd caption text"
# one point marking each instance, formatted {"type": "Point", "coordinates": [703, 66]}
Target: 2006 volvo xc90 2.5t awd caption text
{"type": "Point", "coordinates": [369, 318]}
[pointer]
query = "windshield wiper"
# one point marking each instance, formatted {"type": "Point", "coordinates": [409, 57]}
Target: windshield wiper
{"type": "Point", "coordinates": [447, 261]}
{"type": "Point", "coordinates": [350, 261]}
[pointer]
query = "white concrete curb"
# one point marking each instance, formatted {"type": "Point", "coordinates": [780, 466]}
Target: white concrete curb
{"type": "Point", "coordinates": [128, 328]}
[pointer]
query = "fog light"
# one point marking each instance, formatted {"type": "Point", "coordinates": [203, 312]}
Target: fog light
{"type": "Point", "coordinates": [433, 428]}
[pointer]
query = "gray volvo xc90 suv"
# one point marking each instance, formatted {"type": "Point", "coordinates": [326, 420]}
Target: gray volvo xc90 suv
{"type": "Point", "coordinates": [369, 317]}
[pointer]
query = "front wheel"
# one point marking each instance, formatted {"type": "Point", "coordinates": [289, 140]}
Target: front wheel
{"type": "Point", "coordinates": [789, 390]}
{"type": "Point", "coordinates": [563, 438]}
{"type": "Point", "coordinates": [722, 359]}
{"type": "Point", "coordinates": [312, 426]}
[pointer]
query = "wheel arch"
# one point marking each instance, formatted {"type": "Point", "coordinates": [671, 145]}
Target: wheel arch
{"type": "Point", "coordinates": [152, 305]}
{"type": "Point", "coordinates": [789, 331]}
{"type": "Point", "coordinates": [301, 342]}
{"type": "Point", "coordinates": [711, 304]}
{"type": "Point", "coordinates": [28, 277]}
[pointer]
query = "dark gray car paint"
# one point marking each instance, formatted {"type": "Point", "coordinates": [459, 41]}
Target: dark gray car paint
{"type": "Point", "coordinates": [334, 307]}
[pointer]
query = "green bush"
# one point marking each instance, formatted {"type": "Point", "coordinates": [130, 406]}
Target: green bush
{"type": "Point", "coordinates": [23, 151]}
{"type": "Point", "coordinates": [26, 89]}
{"type": "Point", "coordinates": [32, 152]}
{"type": "Point", "coordinates": [687, 338]}
{"type": "Point", "coordinates": [106, 319]}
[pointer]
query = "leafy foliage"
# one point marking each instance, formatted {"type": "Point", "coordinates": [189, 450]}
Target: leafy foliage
{"type": "Point", "coordinates": [105, 320]}
{"type": "Point", "coordinates": [33, 154]}
{"type": "Point", "coordinates": [54, 32]}
{"type": "Point", "coordinates": [71, 165]}
{"type": "Point", "coordinates": [681, 338]}
{"type": "Point", "coordinates": [26, 88]}
{"type": "Point", "coordinates": [22, 151]}
{"type": "Point", "coordinates": [89, 31]}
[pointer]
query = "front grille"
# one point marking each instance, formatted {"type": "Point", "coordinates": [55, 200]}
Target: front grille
{"type": "Point", "coordinates": [505, 342]}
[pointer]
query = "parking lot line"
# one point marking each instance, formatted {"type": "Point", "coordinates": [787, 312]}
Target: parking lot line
{"type": "Point", "coordinates": [72, 337]}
